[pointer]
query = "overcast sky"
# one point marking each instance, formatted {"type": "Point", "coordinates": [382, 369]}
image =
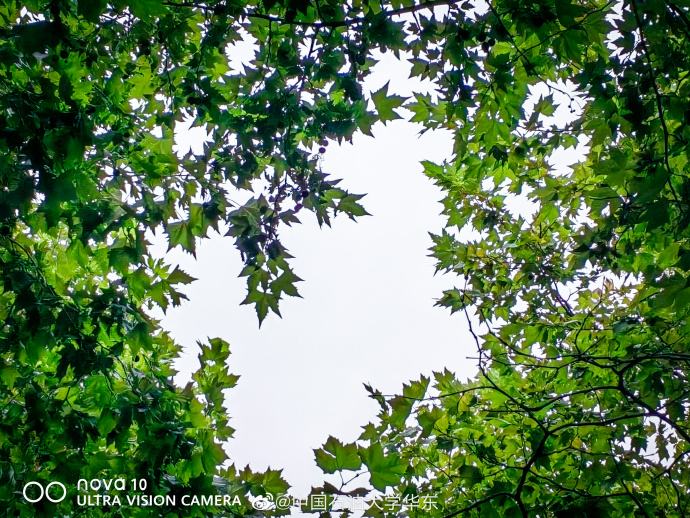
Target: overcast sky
{"type": "Point", "coordinates": [367, 312]}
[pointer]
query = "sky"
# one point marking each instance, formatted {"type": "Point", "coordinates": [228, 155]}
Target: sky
{"type": "Point", "coordinates": [367, 311]}
{"type": "Point", "coordinates": [367, 314]}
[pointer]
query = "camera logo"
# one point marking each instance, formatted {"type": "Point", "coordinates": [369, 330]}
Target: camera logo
{"type": "Point", "coordinates": [36, 495]}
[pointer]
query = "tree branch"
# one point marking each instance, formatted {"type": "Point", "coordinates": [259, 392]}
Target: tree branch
{"type": "Point", "coordinates": [657, 94]}
{"type": "Point", "coordinates": [322, 24]}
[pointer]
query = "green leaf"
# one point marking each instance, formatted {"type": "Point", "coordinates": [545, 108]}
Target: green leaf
{"type": "Point", "coordinates": [107, 421]}
{"type": "Point", "coordinates": [181, 234]}
{"type": "Point", "coordinates": [545, 106]}
{"type": "Point", "coordinates": [9, 376]}
{"type": "Point", "coordinates": [336, 456]}
{"type": "Point", "coordinates": [147, 8]}
{"type": "Point", "coordinates": [470, 474]}
{"type": "Point", "coordinates": [180, 277]}
{"type": "Point", "coordinates": [669, 255]}
{"type": "Point", "coordinates": [272, 481]}
{"type": "Point", "coordinates": [386, 104]}
{"type": "Point", "coordinates": [91, 9]}
{"type": "Point", "coordinates": [384, 470]}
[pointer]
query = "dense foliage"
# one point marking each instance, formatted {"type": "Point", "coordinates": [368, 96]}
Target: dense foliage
{"type": "Point", "coordinates": [91, 94]}
{"type": "Point", "coordinates": [579, 309]}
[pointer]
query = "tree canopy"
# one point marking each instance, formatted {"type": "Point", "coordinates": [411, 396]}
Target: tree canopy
{"type": "Point", "coordinates": [579, 309]}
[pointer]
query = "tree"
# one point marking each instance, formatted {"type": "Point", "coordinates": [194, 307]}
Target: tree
{"type": "Point", "coordinates": [91, 94]}
{"type": "Point", "coordinates": [580, 309]}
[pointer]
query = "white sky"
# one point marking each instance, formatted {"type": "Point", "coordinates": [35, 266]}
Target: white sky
{"type": "Point", "coordinates": [367, 312]}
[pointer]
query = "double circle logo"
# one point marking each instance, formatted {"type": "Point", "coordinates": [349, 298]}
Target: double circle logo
{"type": "Point", "coordinates": [45, 492]}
